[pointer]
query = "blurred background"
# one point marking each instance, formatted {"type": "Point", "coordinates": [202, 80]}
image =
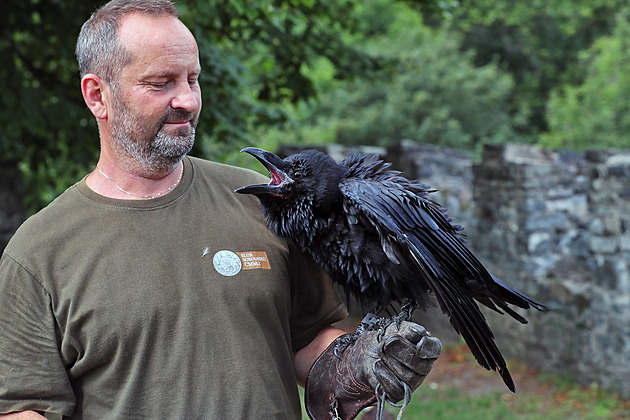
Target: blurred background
{"type": "Point", "coordinates": [518, 112]}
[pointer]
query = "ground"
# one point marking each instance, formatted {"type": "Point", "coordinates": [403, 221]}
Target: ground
{"type": "Point", "coordinates": [459, 389]}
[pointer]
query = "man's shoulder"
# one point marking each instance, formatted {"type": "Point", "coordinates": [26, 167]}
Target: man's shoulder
{"type": "Point", "coordinates": [47, 222]}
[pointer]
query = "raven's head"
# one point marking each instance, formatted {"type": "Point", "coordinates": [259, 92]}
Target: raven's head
{"type": "Point", "coordinates": [309, 177]}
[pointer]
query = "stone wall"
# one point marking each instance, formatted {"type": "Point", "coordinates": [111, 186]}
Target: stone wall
{"type": "Point", "coordinates": [555, 225]}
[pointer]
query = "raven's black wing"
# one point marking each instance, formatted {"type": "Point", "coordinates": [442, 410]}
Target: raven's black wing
{"type": "Point", "coordinates": [416, 230]}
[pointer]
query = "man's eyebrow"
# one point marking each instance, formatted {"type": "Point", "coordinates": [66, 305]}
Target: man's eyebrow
{"type": "Point", "coordinates": [157, 75]}
{"type": "Point", "coordinates": [167, 74]}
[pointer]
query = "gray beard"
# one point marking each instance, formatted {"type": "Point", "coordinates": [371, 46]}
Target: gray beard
{"type": "Point", "coordinates": [145, 151]}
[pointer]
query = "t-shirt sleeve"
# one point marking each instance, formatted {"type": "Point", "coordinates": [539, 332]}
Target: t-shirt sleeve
{"type": "Point", "coordinates": [32, 374]}
{"type": "Point", "coordinates": [316, 302]}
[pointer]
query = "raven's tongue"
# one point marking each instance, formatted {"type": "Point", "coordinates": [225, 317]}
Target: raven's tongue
{"type": "Point", "coordinates": [273, 164]}
{"type": "Point", "coordinates": [274, 184]}
{"type": "Point", "coordinates": [276, 178]}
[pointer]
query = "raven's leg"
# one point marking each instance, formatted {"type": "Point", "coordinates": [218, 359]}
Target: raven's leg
{"type": "Point", "coordinates": [406, 312]}
{"type": "Point", "coordinates": [369, 323]}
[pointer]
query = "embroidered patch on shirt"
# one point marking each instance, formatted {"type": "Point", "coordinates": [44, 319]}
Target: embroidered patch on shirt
{"type": "Point", "coordinates": [254, 259]}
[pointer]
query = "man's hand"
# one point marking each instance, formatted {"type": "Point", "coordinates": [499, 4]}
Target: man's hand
{"type": "Point", "coordinates": [394, 361]}
{"type": "Point", "coordinates": [22, 415]}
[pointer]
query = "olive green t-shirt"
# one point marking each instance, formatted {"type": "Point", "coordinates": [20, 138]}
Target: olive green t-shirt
{"type": "Point", "coordinates": [183, 306]}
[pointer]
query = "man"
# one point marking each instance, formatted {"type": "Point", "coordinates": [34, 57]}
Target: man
{"type": "Point", "coordinates": [150, 290]}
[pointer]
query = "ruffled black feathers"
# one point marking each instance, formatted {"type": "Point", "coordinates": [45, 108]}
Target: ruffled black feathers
{"type": "Point", "coordinates": [382, 238]}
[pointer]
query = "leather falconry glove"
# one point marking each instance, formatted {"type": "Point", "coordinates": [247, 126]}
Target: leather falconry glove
{"type": "Point", "coordinates": [379, 365]}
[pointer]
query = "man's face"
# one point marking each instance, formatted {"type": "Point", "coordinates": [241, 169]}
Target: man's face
{"type": "Point", "coordinates": [156, 98]}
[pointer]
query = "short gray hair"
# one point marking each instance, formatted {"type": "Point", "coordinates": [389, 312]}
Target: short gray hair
{"type": "Point", "coordinates": [99, 50]}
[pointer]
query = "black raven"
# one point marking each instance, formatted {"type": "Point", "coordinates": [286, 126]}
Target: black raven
{"type": "Point", "coordinates": [382, 238]}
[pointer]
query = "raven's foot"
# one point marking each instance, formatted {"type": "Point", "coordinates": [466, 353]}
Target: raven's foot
{"type": "Point", "coordinates": [369, 323]}
{"type": "Point", "coordinates": [406, 313]}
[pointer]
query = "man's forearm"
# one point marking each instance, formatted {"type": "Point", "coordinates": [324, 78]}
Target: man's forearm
{"type": "Point", "coordinates": [305, 357]}
{"type": "Point", "coordinates": [22, 415]}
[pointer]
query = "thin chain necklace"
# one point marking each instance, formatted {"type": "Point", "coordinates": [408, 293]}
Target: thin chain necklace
{"type": "Point", "coordinates": [179, 178]}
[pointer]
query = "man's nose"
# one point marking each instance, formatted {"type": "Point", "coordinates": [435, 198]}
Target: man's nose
{"type": "Point", "coordinates": [186, 97]}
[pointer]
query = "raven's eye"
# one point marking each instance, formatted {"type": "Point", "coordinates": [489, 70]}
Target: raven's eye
{"type": "Point", "coordinates": [298, 170]}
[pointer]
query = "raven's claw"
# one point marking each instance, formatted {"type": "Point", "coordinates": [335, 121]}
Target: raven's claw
{"type": "Point", "coordinates": [406, 313]}
{"type": "Point", "coordinates": [369, 323]}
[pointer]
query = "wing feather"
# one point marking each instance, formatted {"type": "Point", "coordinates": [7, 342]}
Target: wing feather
{"type": "Point", "coordinates": [410, 221]}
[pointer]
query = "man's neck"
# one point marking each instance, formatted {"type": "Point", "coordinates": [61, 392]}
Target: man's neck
{"type": "Point", "coordinates": [113, 181]}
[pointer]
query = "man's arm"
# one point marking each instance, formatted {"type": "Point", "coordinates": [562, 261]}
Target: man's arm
{"type": "Point", "coordinates": [22, 415]}
{"type": "Point", "coordinates": [305, 357]}
{"type": "Point", "coordinates": [41, 381]}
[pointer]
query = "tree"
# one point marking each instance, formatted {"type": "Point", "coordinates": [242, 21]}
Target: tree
{"type": "Point", "coordinates": [538, 42]}
{"type": "Point", "coordinates": [46, 127]}
{"type": "Point", "coordinates": [254, 55]}
{"type": "Point", "coordinates": [595, 113]}
{"type": "Point", "coordinates": [435, 94]}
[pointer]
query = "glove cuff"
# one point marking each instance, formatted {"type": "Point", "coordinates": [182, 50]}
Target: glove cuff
{"type": "Point", "coordinates": [332, 391]}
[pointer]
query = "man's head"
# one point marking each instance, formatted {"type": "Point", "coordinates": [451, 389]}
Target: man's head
{"type": "Point", "coordinates": [98, 50]}
{"type": "Point", "coordinates": [139, 66]}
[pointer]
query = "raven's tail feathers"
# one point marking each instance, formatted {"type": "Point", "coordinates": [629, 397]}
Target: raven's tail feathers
{"type": "Point", "coordinates": [502, 294]}
{"type": "Point", "coordinates": [466, 318]}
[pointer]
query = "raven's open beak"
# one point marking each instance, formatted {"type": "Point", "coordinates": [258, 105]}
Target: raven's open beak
{"type": "Point", "coordinates": [274, 165]}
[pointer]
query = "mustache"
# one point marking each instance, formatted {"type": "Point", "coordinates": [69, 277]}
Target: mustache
{"type": "Point", "coordinates": [174, 115]}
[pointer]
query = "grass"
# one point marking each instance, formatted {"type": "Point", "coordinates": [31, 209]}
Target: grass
{"type": "Point", "coordinates": [458, 389]}
{"type": "Point", "coordinates": [574, 403]}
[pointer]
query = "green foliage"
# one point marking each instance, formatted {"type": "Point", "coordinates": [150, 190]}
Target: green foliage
{"type": "Point", "coordinates": [442, 71]}
{"type": "Point", "coordinates": [485, 74]}
{"type": "Point", "coordinates": [538, 42]}
{"type": "Point", "coordinates": [254, 54]}
{"type": "Point", "coordinates": [595, 113]}
{"type": "Point", "coordinates": [44, 122]}
{"type": "Point", "coordinates": [435, 94]}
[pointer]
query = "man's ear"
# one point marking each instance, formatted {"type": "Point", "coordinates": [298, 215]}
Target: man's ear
{"type": "Point", "coordinates": [96, 95]}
